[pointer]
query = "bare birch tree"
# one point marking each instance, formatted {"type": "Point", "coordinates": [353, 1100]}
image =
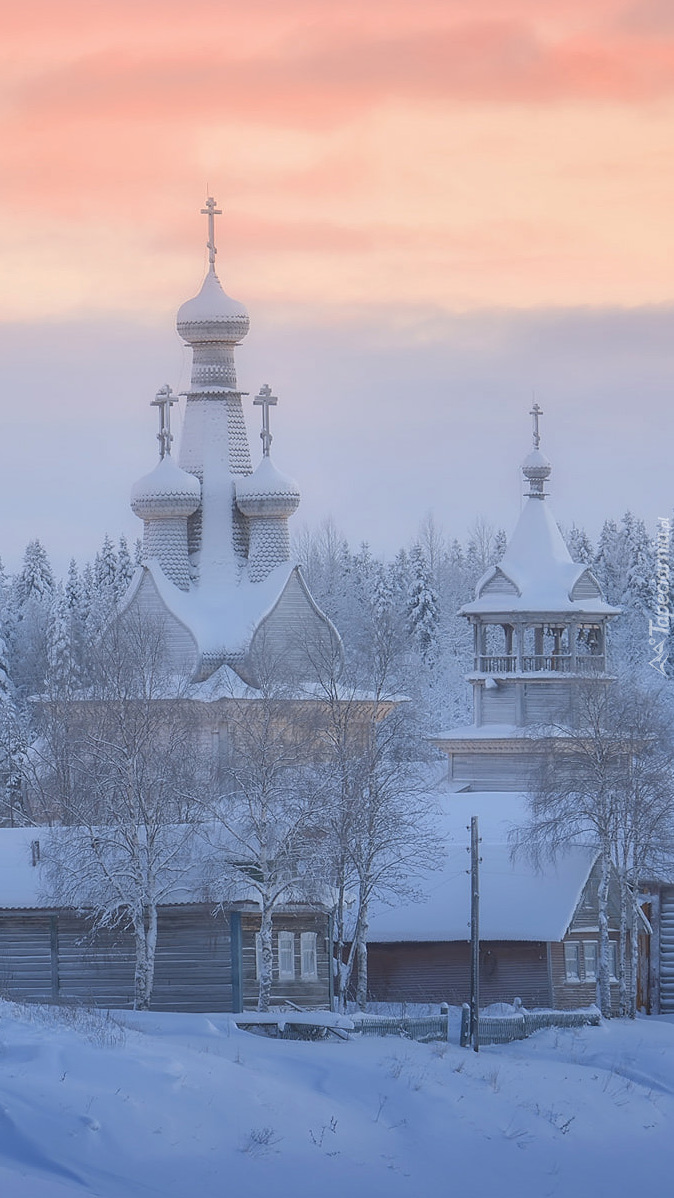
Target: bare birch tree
{"type": "Point", "coordinates": [120, 782]}
{"type": "Point", "coordinates": [607, 779]}
{"type": "Point", "coordinates": [378, 815]}
{"type": "Point", "coordinates": [268, 834]}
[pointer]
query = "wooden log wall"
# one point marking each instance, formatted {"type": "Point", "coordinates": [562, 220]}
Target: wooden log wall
{"type": "Point", "coordinates": [299, 990]}
{"type": "Point", "coordinates": [430, 973]}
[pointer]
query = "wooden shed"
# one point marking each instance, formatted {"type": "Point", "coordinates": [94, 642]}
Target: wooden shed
{"type": "Point", "coordinates": [538, 926]}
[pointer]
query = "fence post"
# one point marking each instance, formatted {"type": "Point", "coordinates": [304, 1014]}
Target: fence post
{"type": "Point", "coordinates": [465, 1025]}
{"type": "Point", "coordinates": [444, 1011]}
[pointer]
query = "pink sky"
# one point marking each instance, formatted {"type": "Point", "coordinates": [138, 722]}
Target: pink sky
{"type": "Point", "coordinates": [459, 153]}
{"type": "Point", "coordinates": [430, 192]}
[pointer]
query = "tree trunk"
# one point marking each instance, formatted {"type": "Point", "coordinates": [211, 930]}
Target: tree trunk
{"type": "Point", "coordinates": [604, 972]}
{"type": "Point", "coordinates": [146, 947]}
{"type": "Point", "coordinates": [634, 952]}
{"type": "Point", "coordinates": [338, 963]}
{"type": "Point", "coordinates": [625, 903]}
{"type": "Point", "coordinates": [265, 959]}
{"type": "Point", "coordinates": [362, 930]}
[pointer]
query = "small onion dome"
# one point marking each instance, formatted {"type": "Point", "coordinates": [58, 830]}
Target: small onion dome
{"type": "Point", "coordinates": [212, 315]}
{"type": "Point", "coordinates": [536, 468]}
{"type": "Point", "coordinates": [267, 492]}
{"type": "Point", "coordinates": [166, 491]}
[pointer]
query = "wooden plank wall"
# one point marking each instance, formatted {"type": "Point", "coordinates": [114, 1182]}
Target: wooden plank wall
{"type": "Point", "coordinates": [300, 991]}
{"type": "Point", "coordinates": [56, 958]}
{"type": "Point", "coordinates": [423, 973]}
{"type": "Point", "coordinates": [567, 996]}
{"type": "Point", "coordinates": [26, 957]}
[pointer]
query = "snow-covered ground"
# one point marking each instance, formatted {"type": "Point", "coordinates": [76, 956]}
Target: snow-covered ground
{"type": "Point", "coordinates": [134, 1106]}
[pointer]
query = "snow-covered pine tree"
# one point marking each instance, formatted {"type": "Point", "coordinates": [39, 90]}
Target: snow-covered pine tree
{"type": "Point", "coordinates": [36, 579]}
{"type": "Point", "coordinates": [73, 587]}
{"type": "Point", "coordinates": [124, 567]}
{"type": "Point", "coordinates": [105, 568]}
{"type": "Point", "coordinates": [579, 545]}
{"type": "Point", "coordinates": [422, 606]}
{"type": "Point", "coordinates": [62, 669]}
{"type": "Point", "coordinates": [610, 562]}
{"type": "Point", "coordinates": [639, 593]}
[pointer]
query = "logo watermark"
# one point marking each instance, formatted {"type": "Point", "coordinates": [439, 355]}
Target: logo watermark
{"type": "Point", "coordinates": [658, 628]}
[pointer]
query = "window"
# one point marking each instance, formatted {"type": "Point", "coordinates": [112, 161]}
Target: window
{"type": "Point", "coordinates": [308, 966]}
{"type": "Point", "coordinates": [286, 955]}
{"type": "Point", "coordinates": [572, 960]}
{"type": "Point", "coordinates": [590, 958]}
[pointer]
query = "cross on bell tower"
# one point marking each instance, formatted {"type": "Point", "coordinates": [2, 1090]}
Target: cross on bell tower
{"type": "Point", "coordinates": [211, 212]}
{"type": "Point", "coordinates": [265, 400]}
{"type": "Point", "coordinates": [164, 400]}
{"type": "Point", "coordinates": [535, 412]}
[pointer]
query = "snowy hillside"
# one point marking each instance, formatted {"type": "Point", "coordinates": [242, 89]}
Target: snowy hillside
{"type": "Point", "coordinates": [171, 1105]}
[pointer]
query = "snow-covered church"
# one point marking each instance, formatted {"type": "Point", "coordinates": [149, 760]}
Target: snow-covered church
{"type": "Point", "coordinates": [216, 565]}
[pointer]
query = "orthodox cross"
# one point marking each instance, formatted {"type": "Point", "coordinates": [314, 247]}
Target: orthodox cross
{"type": "Point", "coordinates": [164, 400]}
{"type": "Point", "coordinates": [211, 212]}
{"type": "Point", "coordinates": [536, 411]}
{"type": "Point", "coordinates": [265, 400]}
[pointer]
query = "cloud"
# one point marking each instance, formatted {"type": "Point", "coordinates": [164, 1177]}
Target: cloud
{"type": "Point", "coordinates": [322, 71]}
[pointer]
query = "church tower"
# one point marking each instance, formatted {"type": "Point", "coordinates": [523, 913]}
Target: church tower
{"type": "Point", "coordinates": [216, 567]}
{"type": "Point", "coordinates": [539, 628]}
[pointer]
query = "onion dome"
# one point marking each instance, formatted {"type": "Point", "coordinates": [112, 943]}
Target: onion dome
{"type": "Point", "coordinates": [536, 469]}
{"type": "Point", "coordinates": [212, 315]}
{"type": "Point", "coordinates": [267, 492]}
{"type": "Point", "coordinates": [167, 491]}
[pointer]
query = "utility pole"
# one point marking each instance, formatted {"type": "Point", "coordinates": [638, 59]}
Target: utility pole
{"type": "Point", "coordinates": [474, 933]}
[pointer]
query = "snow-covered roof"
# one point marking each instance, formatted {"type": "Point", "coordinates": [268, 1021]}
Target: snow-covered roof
{"type": "Point", "coordinates": [222, 620]}
{"type": "Point", "coordinates": [484, 732]}
{"type": "Point", "coordinates": [537, 573]}
{"type": "Point", "coordinates": [24, 885]}
{"type": "Point", "coordinates": [517, 901]}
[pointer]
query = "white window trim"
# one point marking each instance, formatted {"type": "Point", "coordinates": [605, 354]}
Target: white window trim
{"type": "Point", "coordinates": [590, 974]}
{"type": "Point", "coordinates": [308, 949]}
{"type": "Point", "coordinates": [572, 977]}
{"type": "Point", "coordinates": [286, 939]}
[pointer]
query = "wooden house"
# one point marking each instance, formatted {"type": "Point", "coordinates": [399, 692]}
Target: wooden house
{"type": "Point", "coordinates": [206, 955]}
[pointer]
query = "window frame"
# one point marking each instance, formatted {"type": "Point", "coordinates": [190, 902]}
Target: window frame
{"type": "Point", "coordinates": [308, 943]}
{"type": "Point", "coordinates": [575, 946]}
{"type": "Point", "coordinates": [285, 949]}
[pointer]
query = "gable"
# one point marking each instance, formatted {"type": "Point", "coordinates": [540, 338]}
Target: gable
{"type": "Point", "coordinates": [586, 587]}
{"type": "Point", "coordinates": [498, 584]}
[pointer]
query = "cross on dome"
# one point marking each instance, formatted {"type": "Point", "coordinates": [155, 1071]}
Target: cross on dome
{"type": "Point", "coordinates": [265, 400]}
{"type": "Point", "coordinates": [536, 411]}
{"type": "Point", "coordinates": [164, 400]}
{"type": "Point", "coordinates": [211, 212]}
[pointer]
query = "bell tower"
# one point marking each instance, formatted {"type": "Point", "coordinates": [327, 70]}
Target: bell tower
{"type": "Point", "coordinates": [539, 629]}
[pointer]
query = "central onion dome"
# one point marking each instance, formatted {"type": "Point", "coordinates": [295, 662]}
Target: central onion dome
{"type": "Point", "coordinates": [212, 315]}
{"type": "Point", "coordinates": [166, 492]}
{"type": "Point", "coordinates": [267, 492]}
